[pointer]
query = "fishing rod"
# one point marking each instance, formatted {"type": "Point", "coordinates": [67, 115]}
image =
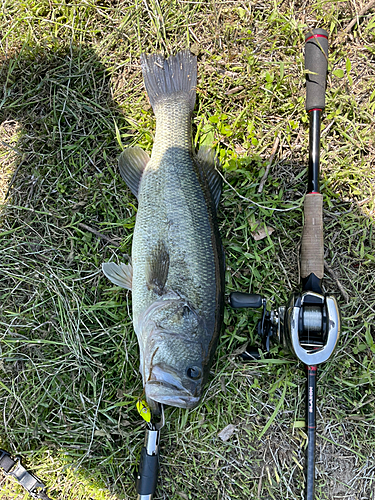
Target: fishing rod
{"type": "Point", "coordinates": [310, 324]}
{"type": "Point", "coordinates": [148, 470]}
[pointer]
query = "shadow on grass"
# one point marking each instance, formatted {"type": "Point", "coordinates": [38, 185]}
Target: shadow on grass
{"type": "Point", "coordinates": [69, 359]}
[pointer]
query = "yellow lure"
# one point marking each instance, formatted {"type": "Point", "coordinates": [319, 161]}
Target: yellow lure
{"type": "Point", "coordinates": [144, 410]}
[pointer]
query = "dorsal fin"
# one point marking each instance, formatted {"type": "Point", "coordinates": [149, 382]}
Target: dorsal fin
{"type": "Point", "coordinates": [132, 163]}
{"type": "Point", "coordinates": [207, 160]}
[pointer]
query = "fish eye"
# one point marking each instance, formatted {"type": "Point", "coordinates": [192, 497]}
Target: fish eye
{"type": "Point", "coordinates": [194, 372]}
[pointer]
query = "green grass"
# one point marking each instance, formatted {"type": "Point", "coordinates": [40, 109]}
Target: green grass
{"type": "Point", "coordinates": [71, 98]}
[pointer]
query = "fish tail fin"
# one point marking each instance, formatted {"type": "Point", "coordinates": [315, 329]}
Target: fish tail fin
{"type": "Point", "coordinates": [175, 76]}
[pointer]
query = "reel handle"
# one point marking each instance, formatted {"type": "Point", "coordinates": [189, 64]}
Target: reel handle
{"type": "Point", "coordinates": [265, 327]}
{"type": "Point", "coordinates": [316, 64]}
{"type": "Point", "coordinates": [239, 299]}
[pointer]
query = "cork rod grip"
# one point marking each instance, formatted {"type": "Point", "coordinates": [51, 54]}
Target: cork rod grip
{"type": "Point", "coordinates": [312, 248]}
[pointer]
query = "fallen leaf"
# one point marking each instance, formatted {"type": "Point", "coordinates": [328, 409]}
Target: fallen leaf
{"type": "Point", "coordinates": [182, 495]}
{"type": "Point", "coordinates": [261, 233]}
{"type": "Point", "coordinates": [239, 350]}
{"type": "Point", "coordinates": [227, 432]}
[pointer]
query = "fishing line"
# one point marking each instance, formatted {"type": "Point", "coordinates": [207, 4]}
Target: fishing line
{"type": "Point", "coordinates": [294, 207]}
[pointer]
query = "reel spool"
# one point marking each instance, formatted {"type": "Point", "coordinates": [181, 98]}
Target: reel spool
{"type": "Point", "coordinates": [311, 327]}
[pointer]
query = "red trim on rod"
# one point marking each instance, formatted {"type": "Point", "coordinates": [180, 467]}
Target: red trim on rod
{"type": "Point", "coordinates": [316, 36]}
{"type": "Point", "coordinates": [314, 109]}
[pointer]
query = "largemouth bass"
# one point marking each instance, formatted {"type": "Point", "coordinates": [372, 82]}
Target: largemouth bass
{"type": "Point", "coordinates": [177, 269]}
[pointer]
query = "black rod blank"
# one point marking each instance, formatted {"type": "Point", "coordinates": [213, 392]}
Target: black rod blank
{"type": "Point", "coordinates": [311, 431]}
{"type": "Point", "coordinates": [314, 151]}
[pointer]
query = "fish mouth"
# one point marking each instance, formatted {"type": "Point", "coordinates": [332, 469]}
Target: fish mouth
{"type": "Point", "coordinates": [166, 387]}
{"type": "Point", "coordinates": [169, 395]}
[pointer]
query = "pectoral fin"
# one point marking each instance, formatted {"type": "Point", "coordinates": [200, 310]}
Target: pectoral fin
{"type": "Point", "coordinates": [208, 162]}
{"type": "Point", "coordinates": [157, 269]}
{"type": "Point", "coordinates": [132, 163]}
{"type": "Point", "coordinates": [121, 275]}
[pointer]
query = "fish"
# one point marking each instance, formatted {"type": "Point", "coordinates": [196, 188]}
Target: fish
{"type": "Point", "coordinates": [176, 273]}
